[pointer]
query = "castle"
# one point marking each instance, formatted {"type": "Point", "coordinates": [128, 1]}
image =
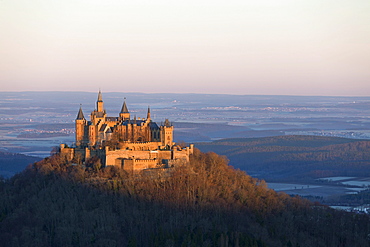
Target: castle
{"type": "Point", "coordinates": [132, 144]}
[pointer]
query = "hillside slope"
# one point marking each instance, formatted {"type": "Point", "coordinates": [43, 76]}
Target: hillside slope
{"type": "Point", "coordinates": [206, 203]}
{"type": "Point", "coordinates": [296, 157]}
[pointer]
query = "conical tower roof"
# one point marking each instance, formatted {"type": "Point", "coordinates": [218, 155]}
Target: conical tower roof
{"type": "Point", "coordinates": [124, 108]}
{"type": "Point", "coordinates": [80, 114]}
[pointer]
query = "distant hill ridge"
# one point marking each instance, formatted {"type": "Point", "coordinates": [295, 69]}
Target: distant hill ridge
{"type": "Point", "coordinates": [12, 163]}
{"type": "Point", "coordinates": [295, 156]}
{"type": "Point", "coordinates": [293, 140]}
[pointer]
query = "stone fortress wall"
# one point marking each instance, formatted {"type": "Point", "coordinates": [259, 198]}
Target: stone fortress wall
{"type": "Point", "coordinates": [139, 144]}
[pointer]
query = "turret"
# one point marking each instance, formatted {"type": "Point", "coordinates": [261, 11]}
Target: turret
{"type": "Point", "coordinates": [80, 127]}
{"type": "Point", "coordinates": [80, 114]}
{"type": "Point", "coordinates": [124, 114]}
{"type": "Point", "coordinates": [99, 114]}
{"type": "Point", "coordinates": [99, 103]}
{"type": "Point", "coordinates": [167, 134]}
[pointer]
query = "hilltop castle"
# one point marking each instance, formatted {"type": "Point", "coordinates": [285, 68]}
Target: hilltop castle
{"type": "Point", "coordinates": [132, 144]}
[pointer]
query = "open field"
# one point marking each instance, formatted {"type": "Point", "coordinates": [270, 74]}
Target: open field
{"type": "Point", "coordinates": [331, 191]}
{"type": "Point", "coordinates": [314, 190]}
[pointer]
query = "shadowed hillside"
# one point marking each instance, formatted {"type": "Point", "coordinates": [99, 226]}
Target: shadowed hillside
{"type": "Point", "coordinates": [11, 163]}
{"type": "Point", "coordinates": [206, 203]}
{"type": "Point", "coordinates": [297, 157]}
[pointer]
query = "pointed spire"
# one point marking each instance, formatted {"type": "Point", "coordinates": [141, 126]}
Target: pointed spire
{"type": "Point", "coordinates": [124, 107]}
{"type": "Point", "coordinates": [80, 114]}
{"type": "Point", "coordinates": [148, 114]}
{"type": "Point", "coordinates": [99, 103]}
{"type": "Point", "coordinates": [100, 97]}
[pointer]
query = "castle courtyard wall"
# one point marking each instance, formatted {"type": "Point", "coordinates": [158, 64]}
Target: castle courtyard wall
{"type": "Point", "coordinates": [133, 165]}
{"type": "Point", "coordinates": [157, 155]}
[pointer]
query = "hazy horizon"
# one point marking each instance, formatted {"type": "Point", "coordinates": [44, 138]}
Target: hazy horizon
{"type": "Point", "coordinates": [200, 93]}
{"type": "Point", "coordinates": [283, 47]}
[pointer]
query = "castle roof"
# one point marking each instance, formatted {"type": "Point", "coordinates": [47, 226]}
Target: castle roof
{"type": "Point", "coordinates": [153, 125]}
{"type": "Point", "coordinates": [80, 114]}
{"type": "Point", "coordinates": [102, 128]}
{"type": "Point", "coordinates": [100, 97]}
{"type": "Point", "coordinates": [138, 122]}
{"type": "Point", "coordinates": [124, 108]}
{"type": "Point", "coordinates": [105, 128]}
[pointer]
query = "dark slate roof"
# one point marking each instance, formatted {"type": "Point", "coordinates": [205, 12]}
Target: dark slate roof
{"type": "Point", "coordinates": [138, 122]}
{"type": "Point", "coordinates": [124, 108]}
{"type": "Point", "coordinates": [153, 125]}
{"type": "Point", "coordinates": [102, 128]}
{"type": "Point", "coordinates": [80, 114]}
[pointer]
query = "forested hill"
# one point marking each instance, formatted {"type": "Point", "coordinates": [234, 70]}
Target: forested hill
{"type": "Point", "coordinates": [11, 163]}
{"type": "Point", "coordinates": [205, 203]}
{"type": "Point", "coordinates": [283, 157]}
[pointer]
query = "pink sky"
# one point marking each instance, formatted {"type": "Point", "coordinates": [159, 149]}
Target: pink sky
{"type": "Point", "coordinates": [287, 47]}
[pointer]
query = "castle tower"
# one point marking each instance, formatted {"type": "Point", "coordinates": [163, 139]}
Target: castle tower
{"type": "Point", "coordinates": [80, 127]}
{"type": "Point", "coordinates": [124, 114]}
{"type": "Point", "coordinates": [99, 114]}
{"type": "Point", "coordinates": [99, 103]}
{"type": "Point", "coordinates": [148, 114]}
{"type": "Point", "coordinates": [167, 134]}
